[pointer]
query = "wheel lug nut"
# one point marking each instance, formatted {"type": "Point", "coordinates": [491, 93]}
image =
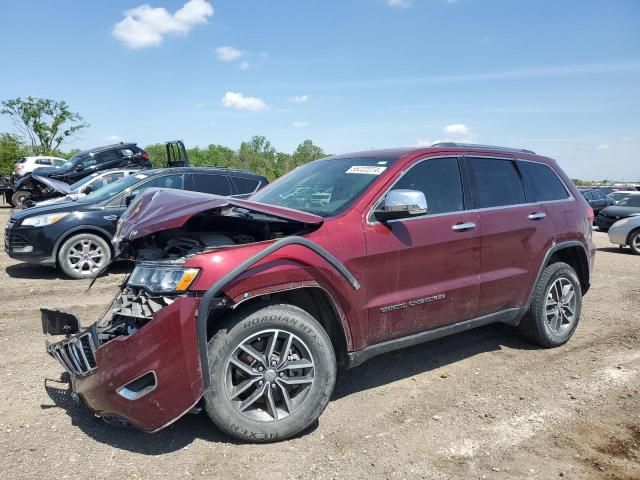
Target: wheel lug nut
{"type": "Point", "coordinates": [274, 363]}
{"type": "Point", "coordinates": [260, 369]}
{"type": "Point", "coordinates": [282, 374]}
{"type": "Point", "coordinates": [260, 383]}
{"type": "Point", "coordinates": [273, 385]}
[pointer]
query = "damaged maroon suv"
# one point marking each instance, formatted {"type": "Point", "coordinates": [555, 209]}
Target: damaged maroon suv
{"type": "Point", "coordinates": [247, 308]}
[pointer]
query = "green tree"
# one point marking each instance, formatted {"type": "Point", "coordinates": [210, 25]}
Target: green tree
{"type": "Point", "coordinates": [11, 148]}
{"type": "Point", "coordinates": [45, 123]}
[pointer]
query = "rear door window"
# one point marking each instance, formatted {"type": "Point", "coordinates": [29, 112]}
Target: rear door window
{"type": "Point", "coordinates": [439, 180]}
{"type": "Point", "coordinates": [108, 156]}
{"type": "Point", "coordinates": [245, 185]}
{"type": "Point", "coordinates": [542, 182]}
{"type": "Point", "coordinates": [495, 182]}
{"type": "Point", "coordinates": [211, 183]}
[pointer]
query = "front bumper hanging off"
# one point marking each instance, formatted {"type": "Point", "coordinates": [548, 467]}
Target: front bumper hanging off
{"type": "Point", "coordinates": [147, 380]}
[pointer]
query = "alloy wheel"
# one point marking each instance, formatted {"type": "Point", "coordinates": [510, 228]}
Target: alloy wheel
{"type": "Point", "coordinates": [269, 375]}
{"type": "Point", "coordinates": [560, 306]}
{"type": "Point", "coordinates": [86, 257]}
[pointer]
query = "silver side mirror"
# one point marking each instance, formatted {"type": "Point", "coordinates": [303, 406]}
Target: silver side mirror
{"type": "Point", "coordinates": [401, 204]}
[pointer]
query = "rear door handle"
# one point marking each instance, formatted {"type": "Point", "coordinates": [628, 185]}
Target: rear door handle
{"type": "Point", "coordinates": [537, 216]}
{"type": "Point", "coordinates": [463, 227]}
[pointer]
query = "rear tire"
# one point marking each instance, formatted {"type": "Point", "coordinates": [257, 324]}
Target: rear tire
{"type": "Point", "coordinates": [634, 242]}
{"type": "Point", "coordinates": [84, 255]}
{"type": "Point", "coordinates": [19, 198]}
{"type": "Point", "coordinates": [555, 308]}
{"type": "Point", "coordinates": [269, 395]}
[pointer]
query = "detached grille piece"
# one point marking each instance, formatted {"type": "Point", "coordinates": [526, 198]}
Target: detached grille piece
{"type": "Point", "coordinates": [76, 354]}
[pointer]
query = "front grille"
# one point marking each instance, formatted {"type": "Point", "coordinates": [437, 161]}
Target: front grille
{"type": "Point", "coordinates": [77, 355]}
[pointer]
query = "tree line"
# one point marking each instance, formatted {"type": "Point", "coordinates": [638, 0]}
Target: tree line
{"type": "Point", "coordinates": [43, 126]}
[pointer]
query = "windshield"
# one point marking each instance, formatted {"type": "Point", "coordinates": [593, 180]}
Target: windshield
{"type": "Point", "coordinates": [113, 188]}
{"type": "Point", "coordinates": [630, 201]}
{"type": "Point", "coordinates": [324, 187]}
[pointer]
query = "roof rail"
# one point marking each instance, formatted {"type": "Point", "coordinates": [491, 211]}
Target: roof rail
{"type": "Point", "coordinates": [476, 145]}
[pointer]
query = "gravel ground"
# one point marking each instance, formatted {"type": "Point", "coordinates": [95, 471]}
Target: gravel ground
{"type": "Point", "coordinates": [483, 404]}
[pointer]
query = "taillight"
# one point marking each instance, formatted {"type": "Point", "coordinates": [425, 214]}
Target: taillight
{"type": "Point", "coordinates": [590, 214]}
{"type": "Point", "coordinates": [145, 155]}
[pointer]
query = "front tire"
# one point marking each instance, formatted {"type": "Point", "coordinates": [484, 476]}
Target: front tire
{"type": "Point", "coordinates": [272, 371]}
{"type": "Point", "coordinates": [19, 198]}
{"type": "Point", "coordinates": [84, 255]}
{"type": "Point", "coordinates": [555, 308]}
{"type": "Point", "coordinates": [634, 242]}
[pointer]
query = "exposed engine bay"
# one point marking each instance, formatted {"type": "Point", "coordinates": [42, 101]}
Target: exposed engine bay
{"type": "Point", "coordinates": [209, 230]}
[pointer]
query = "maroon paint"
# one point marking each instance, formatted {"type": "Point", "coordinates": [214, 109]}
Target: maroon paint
{"type": "Point", "coordinates": [167, 346]}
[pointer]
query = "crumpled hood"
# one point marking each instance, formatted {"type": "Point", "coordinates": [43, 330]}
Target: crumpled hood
{"type": "Point", "coordinates": [57, 185]}
{"type": "Point", "coordinates": [158, 209]}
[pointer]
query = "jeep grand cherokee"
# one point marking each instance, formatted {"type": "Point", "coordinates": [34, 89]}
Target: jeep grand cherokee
{"type": "Point", "coordinates": [246, 308]}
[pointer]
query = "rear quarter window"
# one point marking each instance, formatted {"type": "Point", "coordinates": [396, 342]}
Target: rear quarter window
{"type": "Point", "coordinates": [542, 182]}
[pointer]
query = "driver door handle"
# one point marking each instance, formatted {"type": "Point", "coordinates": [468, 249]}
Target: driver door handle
{"type": "Point", "coordinates": [463, 227]}
{"type": "Point", "coordinates": [537, 216]}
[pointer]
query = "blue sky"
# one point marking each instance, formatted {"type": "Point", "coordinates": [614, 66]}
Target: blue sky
{"type": "Point", "coordinates": [559, 77]}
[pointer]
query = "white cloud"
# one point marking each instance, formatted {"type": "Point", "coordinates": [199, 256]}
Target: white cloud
{"type": "Point", "coordinates": [301, 124]}
{"type": "Point", "coordinates": [457, 129]}
{"type": "Point", "coordinates": [300, 99]}
{"type": "Point", "coordinates": [113, 138]}
{"type": "Point", "coordinates": [146, 26]}
{"type": "Point", "coordinates": [245, 65]}
{"type": "Point", "coordinates": [228, 54]}
{"type": "Point", "coordinates": [603, 146]}
{"type": "Point", "coordinates": [239, 101]}
{"type": "Point", "coordinates": [400, 3]}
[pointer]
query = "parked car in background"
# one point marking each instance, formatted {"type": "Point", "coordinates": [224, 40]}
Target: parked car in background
{"type": "Point", "coordinates": [626, 207]}
{"type": "Point", "coordinates": [596, 199]}
{"type": "Point", "coordinates": [81, 188]}
{"type": "Point", "coordinates": [75, 235]}
{"type": "Point", "coordinates": [606, 190]}
{"type": "Point", "coordinates": [626, 232]}
{"type": "Point", "coordinates": [32, 187]}
{"type": "Point", "coordinates": [620, 194]}
{"type": "Point", "coordinates": [246, 307]}
{"type": "Point", "coordinates": [27, 165]}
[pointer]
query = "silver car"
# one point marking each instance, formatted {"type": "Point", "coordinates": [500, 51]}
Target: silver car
{"type": "Point", "coordinates": [626, 232]}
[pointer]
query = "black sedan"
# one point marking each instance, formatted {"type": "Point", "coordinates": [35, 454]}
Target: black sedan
{"type": "Point", "coordinates": [596, 199]}
{"type": "Point", "coordinates": [626, 207]}
{"type": "Point", "coordinates": [76, 235]}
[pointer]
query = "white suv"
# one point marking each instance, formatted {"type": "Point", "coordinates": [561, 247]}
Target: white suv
{"type": "Point", "coordinates": [28, 164]}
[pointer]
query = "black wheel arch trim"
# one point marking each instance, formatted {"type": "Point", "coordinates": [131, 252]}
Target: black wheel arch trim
{"type": "Point", "coordinates": [205, 301]}
{"type": "Point", "coordinates": [556, 248]}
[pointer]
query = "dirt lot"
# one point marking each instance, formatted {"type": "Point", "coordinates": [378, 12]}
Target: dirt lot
{"type": "Point", "coordinates": [482, 404]}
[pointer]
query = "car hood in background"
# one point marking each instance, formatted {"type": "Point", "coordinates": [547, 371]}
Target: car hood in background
{"type": "Point", "coordinates": [49, 171]}
{"type": "Point", "coordinates": [621, 212]}
{"type": "Point", "coordinates": [57, 185]}
{"type": "Point", "coordinates": [157, 209]}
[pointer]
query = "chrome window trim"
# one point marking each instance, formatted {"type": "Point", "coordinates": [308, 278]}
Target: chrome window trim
{"type": "Point", "coordinates": [472, 210]}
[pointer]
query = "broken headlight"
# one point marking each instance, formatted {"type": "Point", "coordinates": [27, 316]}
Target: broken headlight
{"type": "Point", "coordinates": [162, 279]}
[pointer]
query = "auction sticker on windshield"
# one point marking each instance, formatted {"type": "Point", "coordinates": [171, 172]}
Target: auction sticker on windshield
{"type": "Point", "coordinates": [366, 170]}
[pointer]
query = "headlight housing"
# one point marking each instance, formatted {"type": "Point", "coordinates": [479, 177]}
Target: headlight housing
{"type": "Point", "coordinates": [163, 279]}
{"type": "Point", "coordinates": [43, 220]}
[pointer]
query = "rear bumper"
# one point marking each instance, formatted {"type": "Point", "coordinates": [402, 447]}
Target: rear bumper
{"type": "Point", "coordinates": [618, 235]}
{"type": "Point", "coordinates": [167, 349]}
{"type": "Point", "coordinates": [605, 222]}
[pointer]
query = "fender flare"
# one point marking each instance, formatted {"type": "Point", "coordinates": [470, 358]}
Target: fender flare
{"type": "Point", "coordinates": [205, 302]}
{"type": "Point", "coordinates": [555, 248]}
